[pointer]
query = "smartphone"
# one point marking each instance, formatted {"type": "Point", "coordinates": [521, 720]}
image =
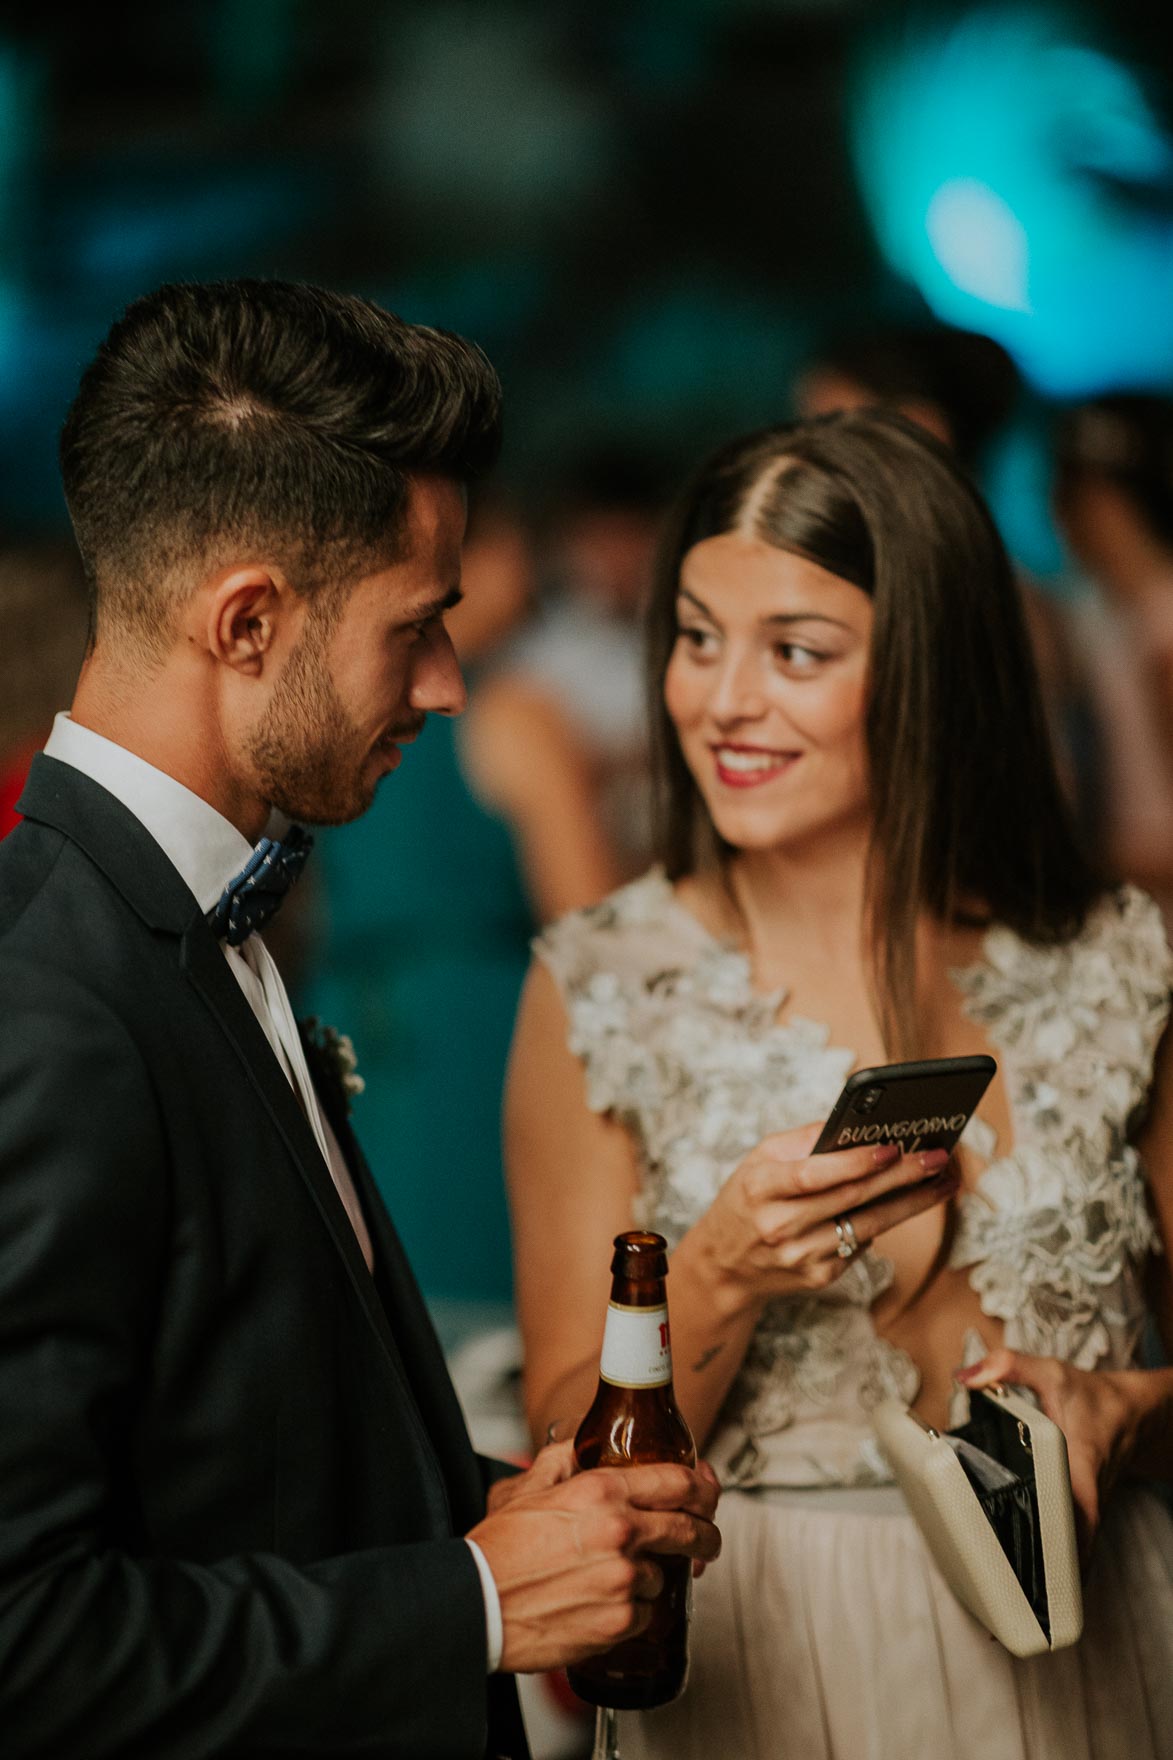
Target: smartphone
{"type": "Point", "coordinates": [917, 1105]}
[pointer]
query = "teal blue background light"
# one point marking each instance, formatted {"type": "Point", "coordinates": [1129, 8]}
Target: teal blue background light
{"type": "Point", "coordinates": [1019, 176]}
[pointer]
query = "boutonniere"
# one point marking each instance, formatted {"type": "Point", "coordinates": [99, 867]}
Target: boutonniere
{"type": "Point", "coordinates": [335, 1053]}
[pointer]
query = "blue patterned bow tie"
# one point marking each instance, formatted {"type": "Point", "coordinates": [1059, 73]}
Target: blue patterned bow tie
{"type": "Point", "coordinates": [249, 900]}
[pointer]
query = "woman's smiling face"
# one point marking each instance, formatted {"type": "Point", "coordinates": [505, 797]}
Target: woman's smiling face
{"type": "Point", "coordinates": [767, 687]}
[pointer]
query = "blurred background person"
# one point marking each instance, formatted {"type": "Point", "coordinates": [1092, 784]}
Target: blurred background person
{"type": "Point", "coordinates": [585, 646]}
{"type": "Point", "coordinates": [1114, 507]}
{"type": "Point", "coordinates": [418, 936]}
{"type": "Point", "coordinates": [957, 384]}
{"type": "Point", "coordinates": [43, 620]}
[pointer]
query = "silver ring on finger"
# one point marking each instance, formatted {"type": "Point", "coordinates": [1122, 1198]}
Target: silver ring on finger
{"type": "Point", "coordinates": [848, 1244]}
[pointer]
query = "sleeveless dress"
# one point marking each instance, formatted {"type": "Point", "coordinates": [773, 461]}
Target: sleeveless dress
{"type": "Point", "coordinates": [421, 948]}
{"type": "Point", "coordinates": [825, 1631]}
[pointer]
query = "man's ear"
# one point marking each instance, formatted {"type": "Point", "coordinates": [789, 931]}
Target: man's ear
{"type": "Point", "coordinates": [243, 611]}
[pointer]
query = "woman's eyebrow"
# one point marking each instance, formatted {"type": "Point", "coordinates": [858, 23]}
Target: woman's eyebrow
{"type": "Point", "coordinates": [789, 617]}
{"type": "Point", "coordinates": [683, 593]}
{"type": "Point", "coordinates": [778, 617]}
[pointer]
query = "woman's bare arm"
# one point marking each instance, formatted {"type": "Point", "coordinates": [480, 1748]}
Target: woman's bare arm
{"type": "Point", "coordinates": [573, 1176]}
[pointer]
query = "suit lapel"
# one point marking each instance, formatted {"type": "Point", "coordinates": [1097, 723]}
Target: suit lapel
{"type": "Point", "coordinates": [206, 969]}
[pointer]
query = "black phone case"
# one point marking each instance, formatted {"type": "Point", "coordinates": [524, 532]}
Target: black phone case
{"type": "Point", "coordinates": [917, 1105]}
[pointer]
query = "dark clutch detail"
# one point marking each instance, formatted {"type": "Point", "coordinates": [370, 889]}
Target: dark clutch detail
{"type": "Point", "coordinates": [995, 1453]}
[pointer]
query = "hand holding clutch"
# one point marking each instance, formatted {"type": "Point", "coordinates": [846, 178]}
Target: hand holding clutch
{"type": "Point", "coordinates": [993, 1501]}
{"type": "Point", "coordinates": [1094, 1410]}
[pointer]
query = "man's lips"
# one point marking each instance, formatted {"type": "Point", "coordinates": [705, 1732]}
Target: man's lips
{"type": "Point", "coordinates": [387, 750]}
{"type": "Point", "coordinates": [741, 766]}
{"type": "Point", "coordinates": [399, 736]}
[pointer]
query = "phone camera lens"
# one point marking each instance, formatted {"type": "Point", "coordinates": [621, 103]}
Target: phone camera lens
{"type": "Point", "coordinates": [870, 1099]}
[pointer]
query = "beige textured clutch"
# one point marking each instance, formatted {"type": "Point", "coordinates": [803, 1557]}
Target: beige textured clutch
{"type": "Point", "coordinates": [993, 1501]}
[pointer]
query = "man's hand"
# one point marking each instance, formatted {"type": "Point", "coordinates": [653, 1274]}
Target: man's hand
{"type": "Point", "coordinates": [553, 1465]}
{"type": "Point", "coordinates": [569, 1552]}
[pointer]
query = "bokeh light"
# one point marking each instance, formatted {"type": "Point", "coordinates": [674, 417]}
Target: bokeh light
{"type": "Point", "coordinates": [1018, 174]}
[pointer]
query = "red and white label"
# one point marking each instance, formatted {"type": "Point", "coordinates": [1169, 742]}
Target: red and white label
{"type": "Point", "coordinates": [637, 1350]}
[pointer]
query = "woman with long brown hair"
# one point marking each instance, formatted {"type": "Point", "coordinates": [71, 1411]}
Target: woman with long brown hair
{"type": "Point", "coordinates": [866, 855]}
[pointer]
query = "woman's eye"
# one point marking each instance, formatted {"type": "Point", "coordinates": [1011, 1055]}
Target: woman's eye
{"type": "Point", "coordinates": [700, 641]}
{"type": "Point", "coordinates": [797, 657]}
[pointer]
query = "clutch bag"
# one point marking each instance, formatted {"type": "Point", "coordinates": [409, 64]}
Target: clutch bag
{"type": "Point", "coordinates": [993, 1501]}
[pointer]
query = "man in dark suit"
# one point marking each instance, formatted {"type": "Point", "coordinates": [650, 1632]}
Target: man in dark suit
{"type": "Point", "coordinates": [239, 1512]}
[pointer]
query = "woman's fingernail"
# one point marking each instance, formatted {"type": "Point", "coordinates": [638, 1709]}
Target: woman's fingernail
{"type": "Point", "coordinates": [933, 1160]}
{"type": "Point", "coordinates": [886, 1154]}
{"type": "Point", "coordinates": [969, 1373]}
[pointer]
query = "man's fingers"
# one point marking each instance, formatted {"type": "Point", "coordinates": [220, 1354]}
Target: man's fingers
{"type": "Point", "coordinates": [662, 1485]}
{"type": "Point", "coordinates": [649, 1580]}
{"type": "Point", "coordinates": [675, 1534]}
{"type": "Point", "coordinates": [552, 1465]}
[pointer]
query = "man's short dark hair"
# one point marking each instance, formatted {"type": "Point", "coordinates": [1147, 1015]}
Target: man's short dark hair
{"type": "Point", "coordinates": [266, 417]}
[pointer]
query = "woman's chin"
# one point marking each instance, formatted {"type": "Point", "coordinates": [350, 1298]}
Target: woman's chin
{"type": "Point", "coordinates": [759, 832]}
{"type": "Point", "coordinates": [749, 825]}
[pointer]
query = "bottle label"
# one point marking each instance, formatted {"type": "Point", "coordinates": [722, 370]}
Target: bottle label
{"type": "Point", "coordinates": [637, 1351]}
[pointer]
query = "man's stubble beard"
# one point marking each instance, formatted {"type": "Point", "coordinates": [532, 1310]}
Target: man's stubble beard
{"type": "Point", "coordinates": [306, 752]}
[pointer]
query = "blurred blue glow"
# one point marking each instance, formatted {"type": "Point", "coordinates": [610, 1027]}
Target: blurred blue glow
{"type": "Point", "coordinates": [980, 243]}
{"type": "Point", "coordinates": [1019, 177]}
{"type": "Point", "coordinates": [1016, 480]}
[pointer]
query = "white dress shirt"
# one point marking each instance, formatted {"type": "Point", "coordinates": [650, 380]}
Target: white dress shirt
{"type": "Point", "coordinates": [208, 851]}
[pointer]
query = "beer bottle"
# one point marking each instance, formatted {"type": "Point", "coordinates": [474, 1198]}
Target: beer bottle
{"type": "Point", "coordinates": [635, 1419]}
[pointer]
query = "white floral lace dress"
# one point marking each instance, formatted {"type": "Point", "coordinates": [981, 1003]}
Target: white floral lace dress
{"type": "Point", "coordinates": [826, 1630]}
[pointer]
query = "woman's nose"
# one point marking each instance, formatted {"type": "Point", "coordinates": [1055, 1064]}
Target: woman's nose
{"type": "Point", "coordinates": [737, 689]}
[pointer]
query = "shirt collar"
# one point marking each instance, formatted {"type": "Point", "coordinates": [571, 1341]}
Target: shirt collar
{"type": "Point", "coordinates": [203, 845]}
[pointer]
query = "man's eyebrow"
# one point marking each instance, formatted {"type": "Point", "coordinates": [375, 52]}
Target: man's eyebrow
{"type": "Point", "coordinates": [433, 607]}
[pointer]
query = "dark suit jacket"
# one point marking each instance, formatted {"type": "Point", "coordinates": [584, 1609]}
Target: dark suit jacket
{"type": "Point", "coordinates": [232, 1467]}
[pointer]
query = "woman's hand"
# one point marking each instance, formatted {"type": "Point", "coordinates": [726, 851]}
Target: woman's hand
{"type": "Point", "coordinates": [771, 1229]}
{"type": "Point", "coordinates": [1098, 1411]}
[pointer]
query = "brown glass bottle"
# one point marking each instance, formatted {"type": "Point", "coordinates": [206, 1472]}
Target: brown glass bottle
{"type": "Point", "coordinates": [635, 1419]}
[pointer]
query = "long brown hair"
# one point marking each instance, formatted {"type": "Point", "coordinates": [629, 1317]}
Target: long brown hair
{"type": "Point", "coordinates": [967, 811]}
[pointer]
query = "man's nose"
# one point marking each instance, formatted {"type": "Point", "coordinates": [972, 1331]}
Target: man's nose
{"type": "Point", "coordinates": [437, 687]}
